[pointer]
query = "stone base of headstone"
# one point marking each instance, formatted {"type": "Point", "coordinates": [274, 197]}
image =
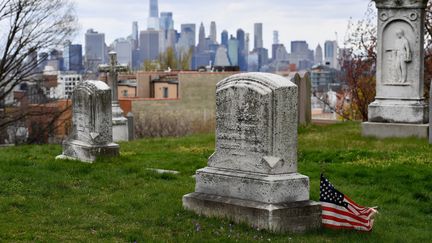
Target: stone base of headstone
{"type": "Point", "coordinates": [294, 217]}
{"type": "Point", "coordinates": [119, 124]}
{"type": "Point", "coordinates": [120, 129]}
{"type": "Point", "coordinates": [394, 130]}
{"type": "Point", "coordinates": [77, 150]}
{"type": "Point", "coordinates": [278, 203]}
{"type": "Point", "coordinates": [398, 111]}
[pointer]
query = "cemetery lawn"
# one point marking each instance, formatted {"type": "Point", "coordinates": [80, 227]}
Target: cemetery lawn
{"type": "Point", "coordinates": [119, 200]}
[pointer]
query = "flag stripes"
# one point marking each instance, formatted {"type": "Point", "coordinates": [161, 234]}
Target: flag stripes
{"type": "Point", "coordinates": [340, 212]}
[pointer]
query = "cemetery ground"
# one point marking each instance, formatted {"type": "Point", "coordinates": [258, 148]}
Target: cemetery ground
{"type": "Point", "coordinates": [121, 200]}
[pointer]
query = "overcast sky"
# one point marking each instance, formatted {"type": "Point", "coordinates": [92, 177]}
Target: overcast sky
{"type": "Point", "coordinates": [312, 20]}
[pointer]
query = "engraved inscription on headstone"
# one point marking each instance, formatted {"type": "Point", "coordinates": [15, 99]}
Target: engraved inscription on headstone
{"type": "Point", "coordinates": [241, 128]}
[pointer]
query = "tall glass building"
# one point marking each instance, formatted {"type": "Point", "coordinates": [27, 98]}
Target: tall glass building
{"type": "Point", "coordinates": [95, 49]}
{"type": "Point", "coordinates": [149, 45]}
{"type": "Point", "coordinates": [233, 47]}
{"type": "Point", "coordinates": [242, 51]}
{"type": "Point", "coordinates": [189, 30]}
{"type": "Point", "coordinates": [153, 20]}
{"type": "Point", "coordinates": [258, 34]}
{"type": "Point", "coordinates": [154, 9]}
{"type": "Point", "coordinates": [213, 32]}
{"type": "Point", "coordinates": [330, 54]}
{"type": "Point", "coordinates": [72, 56]}
{"type": "Point", "coordinates": [224, 38]}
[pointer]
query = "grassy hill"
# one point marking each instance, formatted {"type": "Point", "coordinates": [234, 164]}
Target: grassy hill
{"type": "Point", "coordinates": [121, 200]}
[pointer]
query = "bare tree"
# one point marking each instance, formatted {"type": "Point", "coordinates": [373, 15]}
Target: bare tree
{"type": "Point", "coordinates": [27, 27]}
{"type": "Point", "coordinates": [358, 66]}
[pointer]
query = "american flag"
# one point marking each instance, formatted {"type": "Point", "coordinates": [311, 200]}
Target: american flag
{"type": "Point", "coordinates": [340, 212]}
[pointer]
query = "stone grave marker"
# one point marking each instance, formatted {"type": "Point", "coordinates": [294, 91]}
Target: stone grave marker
{"type": "Point", "coordinates": [303, 82]}
{"type": "Point", "coordinates": [252, 176]}
{"type": "Point", "coordinates": [430, 116]}
{"type": "Point", "coordinates": [91, 135]}
{"type": "Point", "coordinates": [120, 123]}
{"type": "Point", "coordinates": [399, 109]}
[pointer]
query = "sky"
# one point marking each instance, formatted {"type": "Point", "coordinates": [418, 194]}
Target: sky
{"type": "Point", "coordinates": [312, 20]}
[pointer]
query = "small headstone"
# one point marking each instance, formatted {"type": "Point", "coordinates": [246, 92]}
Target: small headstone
{"type": "Point", "coordinates": [252, 176]}
{"type": "Point", "coordinates": [131, 126]}
{"type": "Point", "coordinates": [304, 84]}
{"type": "Point", "coordinates": [91, 135]}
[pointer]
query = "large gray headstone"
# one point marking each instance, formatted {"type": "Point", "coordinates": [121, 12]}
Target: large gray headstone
{"type": "Point", "coordinates": [254, 167]}
{"type": "Point", "coordinates": [91, 135]}
{"type": "Point", "coordinates": [400, 63]}
{"type": "Point", "coordinates": [399, 109]}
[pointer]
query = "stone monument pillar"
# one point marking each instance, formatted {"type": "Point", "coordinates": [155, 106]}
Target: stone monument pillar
{"type": "Point", "coordinates": [304, 86]}
{"type": "Point", "coordinates": [91, 135]}
{"type": "Point", "coordinates": [399, 109]}
{"type": "Point", "coordinates": [120, 124]}
{"type": "Point", "coordinates": [252, 176]}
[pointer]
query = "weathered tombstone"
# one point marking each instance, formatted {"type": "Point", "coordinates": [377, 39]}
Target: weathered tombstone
{"type": "Point", "coordinates": [304, 85]}
{"type": "Point", "coordinates": [430, 115]}
{"type": "Point", "coordinates": [399, 109]}
{"type": "Point", "coordinates": [131, 125]}
{"type": "Point", "coordinates": [91, 135]}
{"type": "Point", "coordinates": [120, 123]}
{"type": "Point", "coordinates": [252, 177]}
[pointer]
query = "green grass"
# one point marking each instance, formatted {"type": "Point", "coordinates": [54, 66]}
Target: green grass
{"type": "Point", "coordinates": [43, 200]}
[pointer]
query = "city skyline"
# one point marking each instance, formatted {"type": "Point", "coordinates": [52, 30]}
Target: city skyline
{"type": "Point", "coordinates": [320, 23]}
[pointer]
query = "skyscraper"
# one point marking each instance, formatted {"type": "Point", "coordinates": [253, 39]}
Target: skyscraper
{"type": "Point", "coordinates": [213, 32]}
{"type": "Point", "coordinates": [149, 45]}
{"type": "Point", "coordinates": [186, 42]}
{"type": "Point", "coordinates": [275, 37]}
{"type": "Point", "coordinates": [221, 59]}
{"type": "Point", "coordinates": [72, 56]}
{"type": "Point", "coordinates": [201, 38]}
{"type": "Point", "coordinates": [95, 49]}
{"type": "Point", "coordinates": [279, 53]}
{"type": "Point", "coordinates": [301, 55]}
{"type": "Point", "coordinates": [258, 35]}
{"type": "Point", "coordinates": [224, 38]}
{"type": "Point", "coordinates": [153, 20]}
{"type": "Point", "coordinates": [299, 46]}
{"type": "Point", "coordinates": [330, 54]}
{"type": "Point", "coordinates": [247, 43]}
{"type": "Point", "coordinates": [167, 37]}
{"type": "Point", "coordinates": [123, 48]}
{"type": "Point", "coordinates": [166, 21]}
{"type": "Point", "coordinates": [135, 34]}
{"type": "Point", "coordinates": [318, 55]}
{"type": "Point", "coordinates": [242, 51]}
{"type": "Point", "coordinates": [233, 47]}
{"type": "Point", "coordinates": [189, 30]}
{"type": "Point", "coordinates": [154, 9]}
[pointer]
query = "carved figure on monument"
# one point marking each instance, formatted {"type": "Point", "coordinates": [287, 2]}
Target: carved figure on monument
{"type": "Point", "coordinates": [402, 56]}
